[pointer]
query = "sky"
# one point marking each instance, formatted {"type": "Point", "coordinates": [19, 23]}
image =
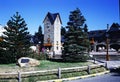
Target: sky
{"type": "Point", "coordinates": [98, 13]}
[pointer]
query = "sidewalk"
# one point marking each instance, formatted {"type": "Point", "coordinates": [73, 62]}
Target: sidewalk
{"type": "Point", "coordinates": [110, 64]}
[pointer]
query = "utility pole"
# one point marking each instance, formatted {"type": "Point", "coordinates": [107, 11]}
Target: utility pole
{"type": "Point", "coordinates": [107, 45]}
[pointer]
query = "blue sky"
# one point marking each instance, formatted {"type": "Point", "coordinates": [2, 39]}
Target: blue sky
{"type": "Point", "coordinates": [98, 13]}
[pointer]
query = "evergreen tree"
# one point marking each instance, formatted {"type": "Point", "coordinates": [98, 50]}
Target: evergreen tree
{"type": "Point", "coordinates": [16, 42]}
{"type": "Point", "coordinates": [76, 43]}
{"type": "Point", "coordinates": [63, 31]}
{"type": "Point", "coordinates": [38, 37]}
{"type": "Point", "coordinates": [39, 34]}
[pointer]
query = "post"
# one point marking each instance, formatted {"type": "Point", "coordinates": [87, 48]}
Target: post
{"type": "Point", "coordinates": [107, 43]}
{"type": "Point", "coordinates": [19, 77]}
{"type": "Point", "coordinates": [53, 54]}
{"type": "Point", "coordinates": [88, 70]}
{"type": "Point", "coordinates": [107, 54]}
{"type": "Point", "coordinates": [94, 60]}
{"type": "Point", "coordinates": [59, 73]}
{"type": "Point", "coordinates": [106, 65]}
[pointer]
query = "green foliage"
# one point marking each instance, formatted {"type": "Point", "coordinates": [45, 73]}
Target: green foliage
{"type": "Point", "coordinates": [40, 56]}
{"type": "Point", "coordinates": [16, 42]}
{"type": "Point", "coordinates": [39, 38]}
{"type": "Point", "coordinates": [76, 45]}
{"type": "Point", "coordinates": [63, 31]}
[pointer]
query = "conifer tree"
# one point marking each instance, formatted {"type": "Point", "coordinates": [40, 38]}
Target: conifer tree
{"type": "Point", "coordinates": [63, 31]}
{"type": "Point", "coordinates": [15, 42]}
{"type": "Point", "coordinates": [38, 37]}
{"type": "Point", "coordinates": [76, 43]}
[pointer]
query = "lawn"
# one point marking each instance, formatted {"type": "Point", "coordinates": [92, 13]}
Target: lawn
{"type": "Point", "coordinates": [44, 65]}
{"type": "Point", "coordinates": [54, 65]}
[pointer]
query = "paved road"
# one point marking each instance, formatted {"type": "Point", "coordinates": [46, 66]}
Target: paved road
{"type": "Point", "coordinates": [113, 64]}
{"type": "Point", "coordinates": [111, 77]}
{"type": "Point", "coordinates": [110, 64]}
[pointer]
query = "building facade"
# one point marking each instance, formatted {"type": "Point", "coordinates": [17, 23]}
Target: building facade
{"type": "Point", "coordinates": [1, 32]}
{"type": "Point", "coordinates": [99, 38]}
{"type": "Point", "coordinates": [52, 32]}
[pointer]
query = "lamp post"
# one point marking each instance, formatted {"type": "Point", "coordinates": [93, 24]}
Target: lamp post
{"type": "Point", "coordinates": [39, 47]}
{"type": "Point", "coordinates": [107, 43]}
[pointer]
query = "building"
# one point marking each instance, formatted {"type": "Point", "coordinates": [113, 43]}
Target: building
{"type": "Point", "coordinates": [1, 32]}
{"type": "Point", "coordinates": [52, 33]}
{"type": "Point", "coordinates": [98, 38]}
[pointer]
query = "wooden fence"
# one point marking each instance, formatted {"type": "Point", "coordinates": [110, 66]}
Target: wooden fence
{"type": "Point", "coordinates": [19, 75]}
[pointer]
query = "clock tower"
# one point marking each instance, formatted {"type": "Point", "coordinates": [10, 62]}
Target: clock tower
{"type": "Point", "coordinates": [52, 32]}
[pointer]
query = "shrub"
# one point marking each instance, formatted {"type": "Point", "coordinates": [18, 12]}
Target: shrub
{"type": "Point", "coordinates": [76, 57]}
{"type": "Point", "coordinates": [39, 56]}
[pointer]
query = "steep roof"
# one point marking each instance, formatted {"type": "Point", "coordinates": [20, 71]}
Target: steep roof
{"type": "Point", "coordinates": [114, 27]}
{"type": "Point", "coordinates": [52, 17]}
{"type": "Point", "coordinates": [97, 33]}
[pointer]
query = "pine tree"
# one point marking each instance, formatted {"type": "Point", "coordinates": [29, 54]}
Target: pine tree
{"type": "Point", "coordinates": [63, 31]}
{"type": "Point", "coordinates": [76, 43]}
{"type": "Point", "coordinates": [16, 42]}
{"type": "Point", "coordinates": [39, 34]}
{"type": "Point", "coordinates": [38, 37]}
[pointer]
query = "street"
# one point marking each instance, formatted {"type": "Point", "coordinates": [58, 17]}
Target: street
{"type": "Point", "coordinates": [111, 77]}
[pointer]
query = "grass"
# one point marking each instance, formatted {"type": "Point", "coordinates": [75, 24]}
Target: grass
{"type": "Point", "coordinates": [44, 65]}
{"type": "Point", "coordinates": [54, 65]}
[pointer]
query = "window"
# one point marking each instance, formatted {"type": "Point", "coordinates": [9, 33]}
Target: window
{"type": "Point", "coordinates": [48, 30]}
{"type": "Point", "coordinates": [48, 25]}
{"type": "Point", "coordinates": [48, 36]}
{"type": "Point", "coordinates": [57, 47]}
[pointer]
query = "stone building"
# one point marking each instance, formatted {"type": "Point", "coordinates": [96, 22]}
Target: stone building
{"type": "Point", "coordinates": [98, 38]}
{"type": "Point", "coordinates": [52, 33]}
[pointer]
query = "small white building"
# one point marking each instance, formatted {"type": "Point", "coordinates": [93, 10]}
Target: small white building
{"type": "Point", "coordinates": [1, 30]}
{"type": "Point", "coordinates": [52, 33]}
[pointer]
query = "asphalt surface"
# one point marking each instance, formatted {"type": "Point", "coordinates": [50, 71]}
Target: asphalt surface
{"type": "Point", "coordinates": [111, 77]}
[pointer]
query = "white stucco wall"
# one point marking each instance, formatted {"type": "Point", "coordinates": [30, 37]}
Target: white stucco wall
{"type": "Point", "coordinates": [54, 32]}
{"type": "Point", "coordinates": [1, 30]}
{"type": "Point", "coordinates": [57, 36]}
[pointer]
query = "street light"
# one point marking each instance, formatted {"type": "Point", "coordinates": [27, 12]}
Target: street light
{"type": "Point", "coordinates": [39, 46]}
{"type": "Point", "coordinates": [107, 42]}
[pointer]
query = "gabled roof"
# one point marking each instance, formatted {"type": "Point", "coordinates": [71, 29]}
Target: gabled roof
{"type": "Point", "coordinates": [97, 33]}
{"type": "Point", "coordinates": [114, 27]}
{"type": "Point", "coordinates": [52, 17]}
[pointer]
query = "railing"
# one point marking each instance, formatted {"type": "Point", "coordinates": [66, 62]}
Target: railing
{"type": "Point", "coordinates": [19, 75]}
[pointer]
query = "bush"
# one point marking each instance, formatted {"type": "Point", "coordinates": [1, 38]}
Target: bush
{"type": "Point", "coordinates": [6, 58]}
{"type": "Point", "coordinates": [40, 56]}
{"type": "Point", "coordinates": [75, 57]}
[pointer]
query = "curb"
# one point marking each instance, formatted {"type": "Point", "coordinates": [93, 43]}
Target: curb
{"type": "Point", "coordinates": [74, 78]}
